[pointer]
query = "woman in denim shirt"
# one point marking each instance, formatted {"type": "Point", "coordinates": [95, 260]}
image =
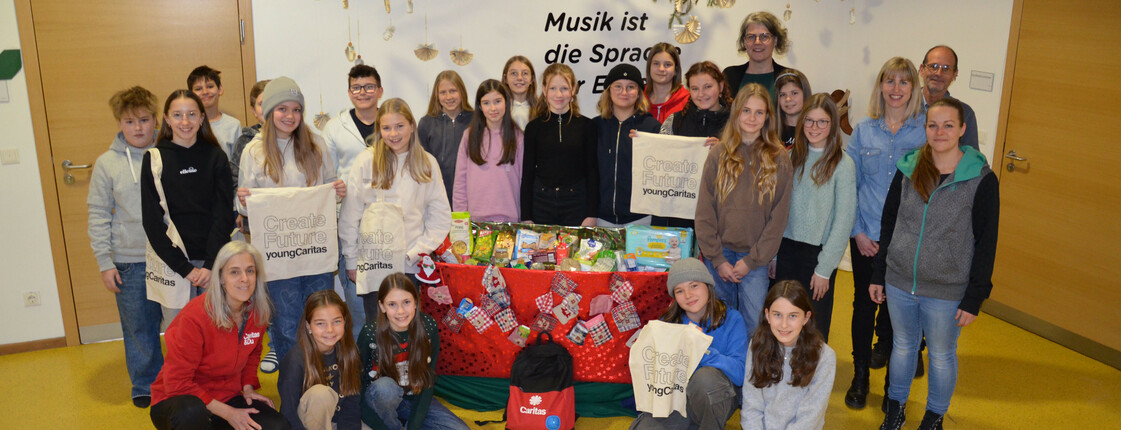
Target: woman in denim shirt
{"type": "Point", "coordinates": [894, 127]}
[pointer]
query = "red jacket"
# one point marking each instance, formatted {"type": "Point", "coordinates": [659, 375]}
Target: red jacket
{"type": "Point", "coordinates": [675, 103]}
{"type": "Point", "coordinates": [205, 361]}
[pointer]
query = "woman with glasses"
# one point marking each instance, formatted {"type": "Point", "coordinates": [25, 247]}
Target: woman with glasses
{"type": "Point", "coordinates": [822, 207]}
{"type": "Point", "coordinates": [623, 111]}
{"type": "Point", "coordinates": [761, 35]}
{"type": "Point", "coordinates": [894, 127]}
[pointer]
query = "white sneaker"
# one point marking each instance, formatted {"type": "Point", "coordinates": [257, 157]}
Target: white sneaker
{"type": "Point", "coordinates": [269, 362]}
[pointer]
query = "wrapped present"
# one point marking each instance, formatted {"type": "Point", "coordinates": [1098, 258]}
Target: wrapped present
{"type": "Point", "coordinates": [544, 323]}
{"type": "Point", "coordinates": [626, 317]}
{"type": "Point", "coordinates": [578, 333]}
{"type": "Point", "coordinates": [453, 320]}
{"type": "Point", "coordinates": [598, 330]}
{"type": "Point", "coordinates": [562, 284]}
{"type": "Point", "coordinates": [506, 320]}
{"type": "Point", "coordinates": [601, 304]}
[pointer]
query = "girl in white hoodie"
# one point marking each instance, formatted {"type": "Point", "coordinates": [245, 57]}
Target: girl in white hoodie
{"type": "Point", "coordinates": [400, 170]}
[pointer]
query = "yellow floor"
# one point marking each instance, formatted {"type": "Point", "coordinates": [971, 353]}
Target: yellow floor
{"type": "Point", "coordinates": [1008, 378]}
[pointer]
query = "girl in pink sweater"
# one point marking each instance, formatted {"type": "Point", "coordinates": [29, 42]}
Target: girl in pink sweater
{"type": "Point", "coordinates": [488, 170]}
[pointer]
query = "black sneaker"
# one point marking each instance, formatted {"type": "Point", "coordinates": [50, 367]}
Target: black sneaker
{"type": "Point", "coordinates": [895, 416]}
{"type": "Point", "coordinates": [931, 421]}
{"type": "Point", "coordinates": [142, 401]}
{"type": "Point", "coordinates": [881, 352]}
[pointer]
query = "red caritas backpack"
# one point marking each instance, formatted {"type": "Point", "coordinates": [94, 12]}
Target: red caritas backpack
{"type": "Point", "coordinates": [541, 395]}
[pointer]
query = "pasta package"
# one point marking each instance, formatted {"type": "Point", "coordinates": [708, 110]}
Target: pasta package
{"type": "Point", "coordinates": [659, 246]}
{"type": "Point", "coordinates": [460, 234]}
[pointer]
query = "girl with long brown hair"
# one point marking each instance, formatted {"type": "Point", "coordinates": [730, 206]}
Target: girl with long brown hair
{"type": "Point", "coordinates": [399, 350]}
{"type": "Point", "coordinates": [319, 382]}
{"type": "Point", "coordinates": [286, 154]}
{"type": "Point", "coordinates": [935, 265]}
{"type": "Point", "coordinates": [790, 368]}
{"type": "Point", "coordinates": [822, 206]}
{"type": "Point", "coordinates": [489, 166]}
{"type": "Point", "coordinates": [441, 128]}
{"type": "Point", "coordinates": [744, 202]}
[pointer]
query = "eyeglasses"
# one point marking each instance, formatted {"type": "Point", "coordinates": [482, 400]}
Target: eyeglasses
{"type": "Point", "coordinates": [623, 89]}
{"type": "Point", "coordinates": [935, 67]}
{"type": "Point", "coordinates": [761, 37]}
{"type": "Point", "coordinates": [369, 88]}
{"type": "Point", "coordinates": [821, 123]}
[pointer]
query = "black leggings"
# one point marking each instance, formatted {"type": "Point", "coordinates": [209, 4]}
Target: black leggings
{"type": "Point", "coordinates": [796, 261]}
{"type": "Point", "coordinates": [187, 412]}
{"type": "Point", "coordinates": [865, 321]}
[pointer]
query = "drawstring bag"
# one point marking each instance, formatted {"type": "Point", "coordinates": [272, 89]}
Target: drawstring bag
{"type": "Point", "coordinates": [381, 244]}
{"type": "Point", "coordinates": [164, 286]}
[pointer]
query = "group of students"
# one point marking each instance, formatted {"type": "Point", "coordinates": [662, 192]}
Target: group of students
{"type": "Point", "coordinates": [780, 194]}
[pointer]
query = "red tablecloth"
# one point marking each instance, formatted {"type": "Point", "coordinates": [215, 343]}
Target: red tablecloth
{"type": "Point", "coordinates": [490, 354]}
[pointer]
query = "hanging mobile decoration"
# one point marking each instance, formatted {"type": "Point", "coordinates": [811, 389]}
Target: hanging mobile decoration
{"type": "Point", "coordinates": [726, 3]}
{"type": "Point", "coordinates": [346, 4]}
{"type": "Point", "coordinates": [322, 117]}
{"type": "Point", "coordinates": [786, 14]}
{"type": "Point", "coordinates": [409, 9]}
{"type": "Point", "coordinates": [386, 6]}
{"type": "Point", "coordinates": [425, 52]}
{"type": "Point", "coordinates": [350, 52]}
{"type": "Point", "coordinates": [461, 56]}
{"type": "Point", "coordinates": [388, 34]}
{"type": "Point", "coordinates": [852, 16]}
{"type": "Point", "coordinates": [689, 32]}
{"type": "Point", "coordinates": [358, 30]}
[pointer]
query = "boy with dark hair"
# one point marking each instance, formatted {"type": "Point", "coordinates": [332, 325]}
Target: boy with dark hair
{"type": "Point", "coordinates": [206, 83]}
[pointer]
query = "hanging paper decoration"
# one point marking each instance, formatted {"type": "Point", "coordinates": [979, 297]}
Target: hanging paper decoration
{"type": "Point", "coordinates": [388, 34]}
{"type": "Point", "coordinates": [425, 52]}
{"type": "Point", "coordinates": [322, 117]}
{"type": "Point", "coordinates": [689, 32]}
{"type": "Point", "coordinates": [852, 16]}
{"type": "Point", "coordinates": [346, 4]}
{"type": "Point", "coordinates": [386, 6]}
{"type": "Point", "coordinates": [786, 14]}
{"type": "Point", "coordinates": [461, 56]}
{"type": "Point", "coordinates": [409, 9]}
{"type": "Point", "coordinates": [358, 30]}
{"type": "Point", "coordinates": [351, 54]}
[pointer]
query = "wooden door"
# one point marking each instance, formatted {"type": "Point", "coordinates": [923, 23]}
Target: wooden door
{"type": "Point", "coordinates": [1057, 256]}
{"type": "Point", "coordinates": [86, 52]}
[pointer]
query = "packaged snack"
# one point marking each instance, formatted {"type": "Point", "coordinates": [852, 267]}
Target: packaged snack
{"type": "Point", "coordinates": [589, 250]}
{"type": "Point", "coordinates": [465, 306]}
{"type": "Point", "coordinates": [444, 252]}
{"type": "Point", "coordinates": [659, 246]}
{"type": "Point", "coordinates": [484, 244]}
{"type": "Point", "coordinates": [460, 234]}
{"type": "Point", "coordinates": [605, 262]}
{"type": "Point", "coordinates": [503, 248]}
{"type": "Point", "coordinates": [578, 333]}
{"type": "Point", "coordinates": [630, 263]}
{"type": "Point", "coordinates": [526, 243]}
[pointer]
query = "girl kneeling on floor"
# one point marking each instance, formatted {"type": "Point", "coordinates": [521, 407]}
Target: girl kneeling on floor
{"type": "Point", "coordinates": [399, 350]}
{"type": "Point", "coordinates": [209, 377]}
{"type": "Point", "coordinates": [789, 368]}
{"type": "Point", "coordinates": [319, 384]}
{"type": "Point", "coordinates": [712, 392]}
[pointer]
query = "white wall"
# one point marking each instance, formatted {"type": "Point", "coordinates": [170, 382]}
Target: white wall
{"type": "Point", "coordinates": [25, 253]}
{"type": "Point", "coordinates": [305, 40]}
{"type": "Point", "coordinates": [830, 50]}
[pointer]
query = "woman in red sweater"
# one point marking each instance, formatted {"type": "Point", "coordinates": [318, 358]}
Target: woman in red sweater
{"type": "Point", "coordinates": [209, 378]}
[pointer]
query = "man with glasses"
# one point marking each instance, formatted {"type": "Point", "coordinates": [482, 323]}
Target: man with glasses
{"type": "Point", "coordinates": [346, 136]}
{"type": "Point", "coordinates": [938, 70]}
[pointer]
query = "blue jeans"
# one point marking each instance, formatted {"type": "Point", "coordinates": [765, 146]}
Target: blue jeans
{"type": "Point", "coordinates": [385, 397]}
{"type": "Point", "coordinates": [747, 296]}
{"type": "Point", "coordinates": [140, 325]}
{"type": "Point", "coordinates": [288, 297]}
{"type": "Point", "coordinates": [353, 302]}
{"type": "Point", "coordinates": [911, 317]}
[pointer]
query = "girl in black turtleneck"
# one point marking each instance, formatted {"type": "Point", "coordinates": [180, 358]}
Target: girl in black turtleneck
{"type": "Point", "coordinates": [560, 180]}
{"type": "Point", "coordinates": [704, 115]}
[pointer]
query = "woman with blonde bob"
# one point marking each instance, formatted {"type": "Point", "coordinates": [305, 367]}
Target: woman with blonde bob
{"type": "Point", "coordinates": [213, 347]}
{"type": "Point", "coordinates": [744, 202]}
{"type": "Point", "coordinates": [894, 127]}
{"type": "Point", "coordinates": [395, 169]}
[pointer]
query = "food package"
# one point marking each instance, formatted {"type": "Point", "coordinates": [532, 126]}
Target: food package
{"type": "Point", "coordinates": [484, 245]}
{"type": "Point", "coordinates": [526, 244]}
{"type": "Point", "coordinates": [519, 336]}
{"type": "Point", "coordinates": [605, 262]}
{"type": "Point", "coordinates": [589, 250]}
{"type": "Point", "coordinates": [460, 234]}
{"type": "Point", "coordinates": [659, 246]}
{"type": "Point", "coordinates": [503, 248]}
{"type": "Point", "coordinates": [444, 252]}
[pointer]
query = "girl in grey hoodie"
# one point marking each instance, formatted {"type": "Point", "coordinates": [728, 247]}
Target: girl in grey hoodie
{"type": "Point", "coordinates": [117, 235]}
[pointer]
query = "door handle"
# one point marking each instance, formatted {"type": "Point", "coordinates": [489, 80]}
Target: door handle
{"type": "Point", "coordinates": [67, 166]}
{"type": "Point", "coordinates": [1011, 166]}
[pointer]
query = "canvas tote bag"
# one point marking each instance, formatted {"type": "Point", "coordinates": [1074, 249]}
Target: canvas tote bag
{"type": "Point", "coordinates": [164, 286]}
{"type": "Point", "coordinates": [662, 360]}
{"type": "Point", "coordinates": [381, 244]}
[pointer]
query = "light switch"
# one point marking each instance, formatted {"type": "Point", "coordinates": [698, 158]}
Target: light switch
{"type": "Point", "coordinates": [9, 156]}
